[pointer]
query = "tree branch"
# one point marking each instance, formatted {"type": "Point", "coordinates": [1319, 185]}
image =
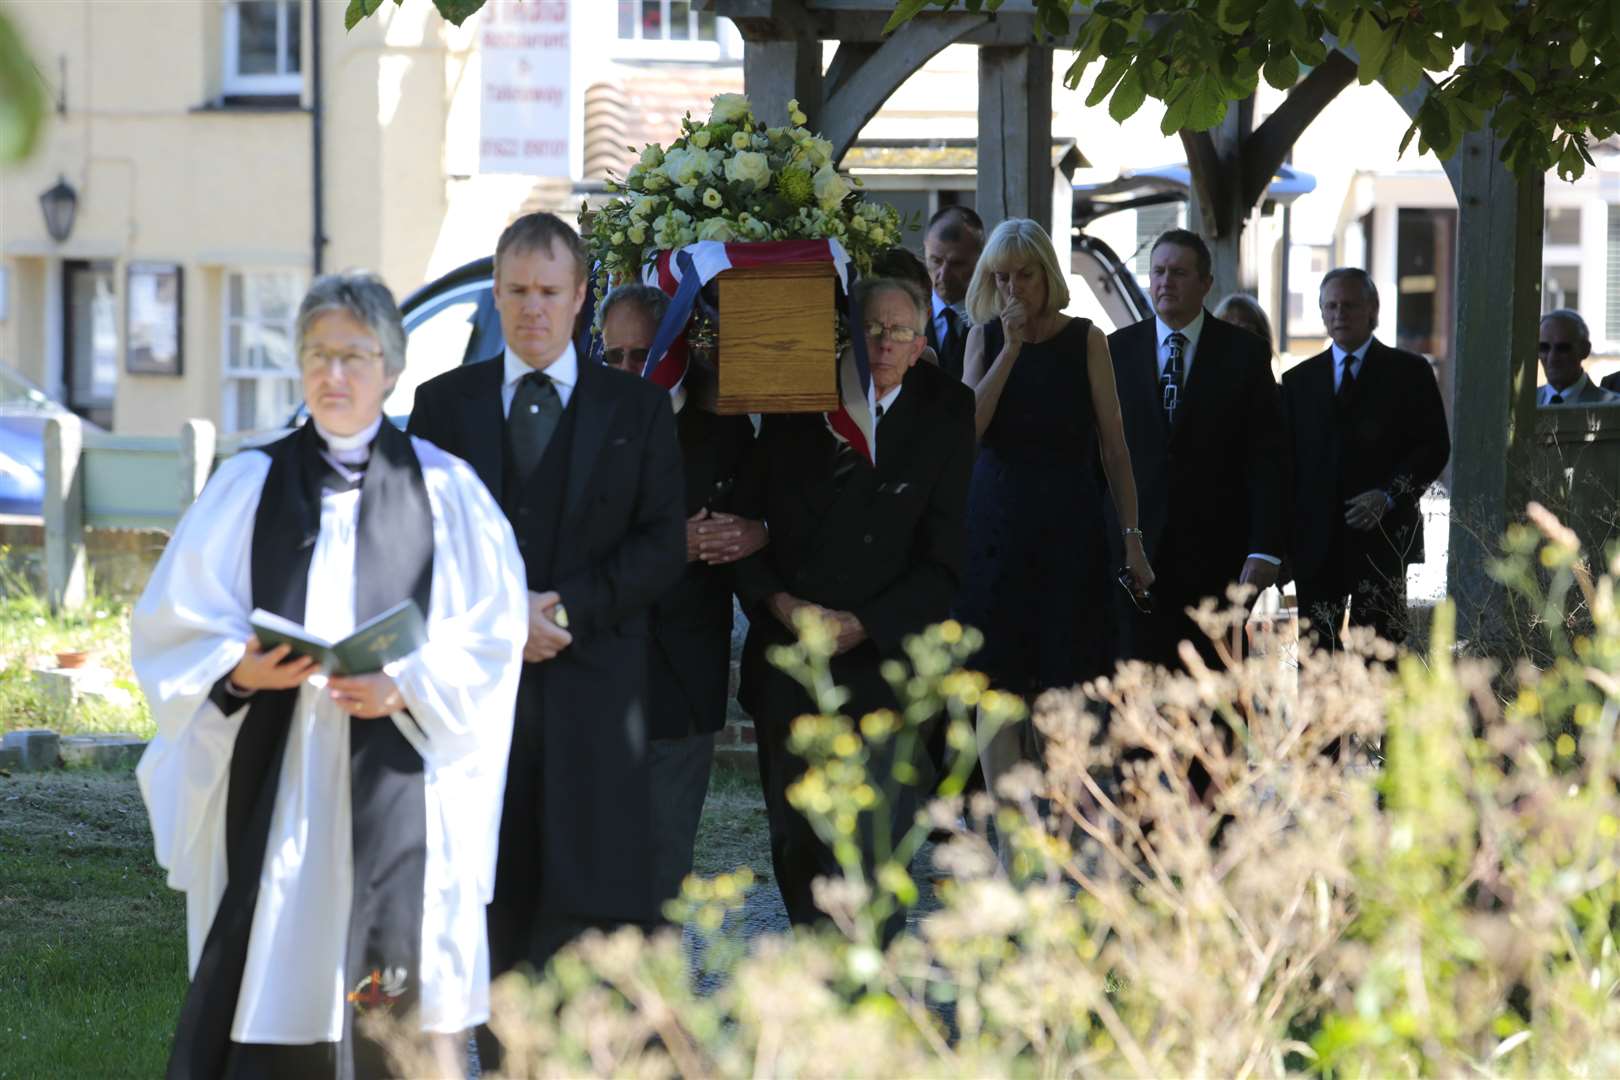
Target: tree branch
{"type": "Point", "coordinates": [1267, 148]}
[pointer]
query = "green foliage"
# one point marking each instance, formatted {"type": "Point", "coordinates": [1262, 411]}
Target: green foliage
{"type": "Point", "coordinates": [22, 96]}
{"type": "Point", "coordinates": [1545, 76]}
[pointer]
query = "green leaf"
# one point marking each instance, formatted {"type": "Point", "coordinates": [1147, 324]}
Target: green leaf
{"type": "Point", "coordinates": [1402, 72]}
{"type": "Point", "coordinates": [352, 14]}
{"type": "Point", "coordinates": [1372, 44]}
{"type": "Point", "coordinates": [1176, 110]}
{"type": "Point", "coordinates": [1128, 97]}
{"type": "Point", "coordinates": [457, 11]}
{"type": "Point", "coordinates": [1282, 70]}
{"type": "Point", "coordinates": [1107, 79]}
{"type": "Point", "coordinates": [1208, 103]}
{"type": "Point", "coordinates": [904, 12]}
{"type": "Point", "coordinates": [22, 97]}
{"type": "Point", "coordinates": [1578, 52]}
{"type": "Point", "coordinates": [1311, 53]}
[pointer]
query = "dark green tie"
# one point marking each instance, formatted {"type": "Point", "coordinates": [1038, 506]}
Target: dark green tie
{"type": "Point", "coordinates": [536, 408]}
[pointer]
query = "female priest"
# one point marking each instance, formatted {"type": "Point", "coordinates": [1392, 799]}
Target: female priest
{"type": "Point", "coordinates": [334, 837]}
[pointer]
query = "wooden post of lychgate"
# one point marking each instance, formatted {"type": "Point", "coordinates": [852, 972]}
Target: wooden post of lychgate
{"type": "Point", "coordinates": [198, 439]}
{"type": "Point", "coordinates": [65, 564]}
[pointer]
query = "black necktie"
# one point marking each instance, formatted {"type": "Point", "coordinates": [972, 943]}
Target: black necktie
{"type": "Point", "coordinates": [1556, 399]}
{"type": "Point", "coordinates": [953, 334]}
{"type": "Point", "coordinates": [536, 408]}
{"type": "Point", "coordinates": [1170, 381]}
{"type": "Point", "coordinates": [1347, 380]}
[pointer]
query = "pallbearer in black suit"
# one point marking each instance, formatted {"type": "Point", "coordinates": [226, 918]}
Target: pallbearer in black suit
{"type": "Point", "coordinates": [1563, 346]}
{"type": "Point", "coordinates": [1038, 584]}
{"type": "Point", "coordinates": [1368, 433]}
{"type": "Point", "coordinates": [585, 463]}
{"type": "Point", "coordinates": [1204, 424]}
{"type": "Point", "coordinates": [878, 550]}
{"type": "Point", "coordinates": [689, 666]}
{"type": "Point", "coordinates": [951, 246]}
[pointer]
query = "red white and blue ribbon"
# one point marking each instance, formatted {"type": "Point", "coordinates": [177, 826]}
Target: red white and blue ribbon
{"type": "Point", "coordinates": [682, 274]}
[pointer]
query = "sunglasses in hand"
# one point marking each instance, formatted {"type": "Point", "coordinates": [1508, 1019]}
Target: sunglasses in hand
{"type": "Point", "coordinates": [1143, 599]}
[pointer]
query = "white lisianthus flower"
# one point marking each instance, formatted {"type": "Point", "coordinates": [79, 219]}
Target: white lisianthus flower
{"type": "Point", "coordinates": [831, 188]}
{"type": "Point", "coordinates": [687, 194]}
{"type": "Point", "coordinates": [795, 114]}
{"type": "Point", "coordinates": [618, 238]}
{"type": "Point", "coordinates": [749, 167]}
{"type": "Point", "coordinates": [819, 151]}
{"type": "Point", "coordinates": [652, 156]}
{"type": "Point", "coordinates": [712, 199]}
{"type": "Point", "coordinates": [700, 139]}
{"type": "Point", "coordinates": [729, 109]}
{"type": "Point", "coordinates": [859, 224]}
{"type": "Point", "coordinates": [643, 208]}
{"type": "Point", "coordinates": [656, 182]}
{"type": "Point", "coordinates": [637, 234]}
{"type": "Point", "coordinates": [716, 228]}
{"type": "Point", "coordinates": [740, 140]}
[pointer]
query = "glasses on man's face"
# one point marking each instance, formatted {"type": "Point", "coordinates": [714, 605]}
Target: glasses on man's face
{"type": "Point", "coordinates": [350, 361]}
{"type": "Point", "coordinates": [900, 335]}
{"type": "Point", "coordinates": [631, 359]}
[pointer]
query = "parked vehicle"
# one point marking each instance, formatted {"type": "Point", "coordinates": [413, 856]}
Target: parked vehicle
{"type": "Point", "coordinates": [24, 408]}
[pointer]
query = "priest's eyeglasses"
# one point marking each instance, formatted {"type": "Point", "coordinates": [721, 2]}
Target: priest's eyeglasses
{"type": "Point", "coordinates": [900, 334]}
{"type": "Point", "coordinates": [351, 361]}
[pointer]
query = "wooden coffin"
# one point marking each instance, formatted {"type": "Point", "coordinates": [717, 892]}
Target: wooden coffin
{"type": "Point", "coordinates": [777, 345]}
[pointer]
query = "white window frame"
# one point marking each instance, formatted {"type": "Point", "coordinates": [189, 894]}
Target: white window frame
{"type": "Point", "coordinates": [726, 46]}
{"type": "Point", "coordinates": [283, 83]}
{"type": "Point", "coordinates": [230, 374]}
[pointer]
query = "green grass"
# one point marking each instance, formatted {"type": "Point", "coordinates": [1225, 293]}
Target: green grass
{"type": "Point", "coordinates": [30, 636]}
{"type": "Point", "coordinates": [93, 941]}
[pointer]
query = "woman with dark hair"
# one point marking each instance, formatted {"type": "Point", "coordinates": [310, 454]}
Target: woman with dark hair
{"type": "Point", "coordinates": [334, 836]}
{"type": "Point", "coordinates": [1038, 582]}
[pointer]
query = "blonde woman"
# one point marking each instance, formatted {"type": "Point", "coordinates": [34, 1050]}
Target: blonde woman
{"type": "Point", "coordinates": [1038, 582]}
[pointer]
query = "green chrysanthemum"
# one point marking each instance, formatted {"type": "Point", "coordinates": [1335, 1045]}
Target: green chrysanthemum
{"type": "Point", "coordinates": [796, 186]}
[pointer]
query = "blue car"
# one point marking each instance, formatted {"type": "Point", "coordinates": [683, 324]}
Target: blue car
{"type": "Point", "coordinates": [24, 408]}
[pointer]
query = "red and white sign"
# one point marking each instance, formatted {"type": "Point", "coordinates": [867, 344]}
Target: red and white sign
{"type": "Point", "coordinates": [525, 114]}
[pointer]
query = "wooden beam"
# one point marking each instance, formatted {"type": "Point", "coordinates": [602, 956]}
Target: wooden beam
{"type": "Point", "coordinates": [849, 58]}
{"type": "Point", "coordinates": [861, 92]}
{"type": "Point", "coordinates": [1265, 151]}
{"type": "Point", "coordinates": [1015, 135]}
{"type": "Point", "coordinates": [862, 21]}
{"type": "Point", "coordinates": [1499, 235]}
{"type": "Point", "coordinates": [776, 72]}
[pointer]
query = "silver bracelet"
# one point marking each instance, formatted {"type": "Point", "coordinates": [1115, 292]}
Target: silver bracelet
{"type": "Point", "coordinates": [1131, 531]}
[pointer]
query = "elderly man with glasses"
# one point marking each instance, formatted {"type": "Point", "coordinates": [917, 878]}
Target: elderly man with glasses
{"type": "Point", "coordinates": [689, 660]}
{"type": "Point", "coordinates": [1563, 345]}
{"type": "Point", "coordinates": [877, 550]}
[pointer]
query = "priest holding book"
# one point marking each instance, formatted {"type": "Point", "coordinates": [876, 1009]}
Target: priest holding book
{"type": "Point", "coordinates": [334, 834]}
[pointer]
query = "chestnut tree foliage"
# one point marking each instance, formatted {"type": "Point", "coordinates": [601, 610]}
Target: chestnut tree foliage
{"type": "Point", "coordinates": [1544, 74]}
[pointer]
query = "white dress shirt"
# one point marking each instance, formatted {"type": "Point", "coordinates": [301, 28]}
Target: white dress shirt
{"type": "Point", "coordinates": [563, 373]}
{"type": "Point", "coordinates": [1191, 332]}
{"type": "Point", "coordinates": [885, 403]}
{"type": "Point", "coordinates": [1358, 355]}
{"type": "Point", "coordinates": [1570, 395]}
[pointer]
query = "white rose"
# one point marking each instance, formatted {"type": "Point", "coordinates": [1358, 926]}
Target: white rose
{"type": "Point", "coordinates": [740, 140]}
{"type": "Point", "coordinates": [819, 151]}
{"type": "Point", "coordinates": [716, 228]}
{"type": "Point", "coordinates": [749, 167]}
{"type": "Point", "coordinates": [700, 139]}
{"type": "Point", "coordinates": [831, 189]}
{"type": "Point", "coordinates": [637, 234]}
{"type": "Point", "coordinates": [729, 109]}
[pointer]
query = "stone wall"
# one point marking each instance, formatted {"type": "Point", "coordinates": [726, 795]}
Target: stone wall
{"type": "Point", "coordinates": [120, 559]}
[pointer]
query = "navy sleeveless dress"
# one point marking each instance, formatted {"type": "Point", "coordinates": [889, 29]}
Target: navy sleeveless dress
{"type": "Point", "coordinates": [1037, 581]}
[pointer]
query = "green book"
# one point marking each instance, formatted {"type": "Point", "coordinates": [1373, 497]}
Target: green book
{"type": "Point", "coordinates": [395, 633]}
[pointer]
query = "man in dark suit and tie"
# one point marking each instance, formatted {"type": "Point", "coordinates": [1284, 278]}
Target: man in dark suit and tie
{"type": "Point", "coordinates": [1204, 425]}
{"type": "Point", "coordinates": [584, 461]}
{"type": "Point", "coordinates": [951, 247]}
{"type": "Point", "coordinates": [1368, 435]}
{"type": "Point", "coordinates": [879, 551]}
{"type": "Point", "coordinates": [689, 667]}
{"type": "Point", "coordinates": [1563, 346]}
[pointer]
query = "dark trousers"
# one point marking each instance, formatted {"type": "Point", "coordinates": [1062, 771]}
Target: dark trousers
{"type": "Point", "coordinates": [1374, 597]}
{"type": "Point", "coordinates": [680, 783]}
{"type": "Point", "coordinates": [798, 856]}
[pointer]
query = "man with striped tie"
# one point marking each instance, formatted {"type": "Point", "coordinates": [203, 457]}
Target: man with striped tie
{"type": "Point", "coordinates": [1204, 424]}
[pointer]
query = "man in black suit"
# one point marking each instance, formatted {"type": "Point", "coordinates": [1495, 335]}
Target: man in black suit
{"type": "Point", "coordinates": [879, 551]}
{"type": "Point", "coordinates": [585, 463]}
{"type": "Point", "coordinates": [951, 247]}
{"type": "Point", "coordinates": [1204, 425]}
{"type": "Point", "coordinates": [689, 667]}
{"type": "Point", "coordinates": [1368, 435]}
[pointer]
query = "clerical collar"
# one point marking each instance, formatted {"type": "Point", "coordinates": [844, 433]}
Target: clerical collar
{"type": "Point", "coordinates": [349, 449]}
{"type": "Point", "coordinates": [564, 371]}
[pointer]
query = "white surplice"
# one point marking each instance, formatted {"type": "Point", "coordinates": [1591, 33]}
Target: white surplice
{"type": "Point", "coordinates": [190, 628]}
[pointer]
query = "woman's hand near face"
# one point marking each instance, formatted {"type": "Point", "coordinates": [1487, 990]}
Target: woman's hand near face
{"type": "Point", "coordinates": [1015, 322]}
{"type": "Point", "coordinates": [270, 669]}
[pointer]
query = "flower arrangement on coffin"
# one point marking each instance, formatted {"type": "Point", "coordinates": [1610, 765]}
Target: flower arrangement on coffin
{"type": "Point", "coordinates": [731, 179]}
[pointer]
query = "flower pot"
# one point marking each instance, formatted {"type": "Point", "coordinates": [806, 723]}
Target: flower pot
{"type": "Point", "coordinates": [72, 658]}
